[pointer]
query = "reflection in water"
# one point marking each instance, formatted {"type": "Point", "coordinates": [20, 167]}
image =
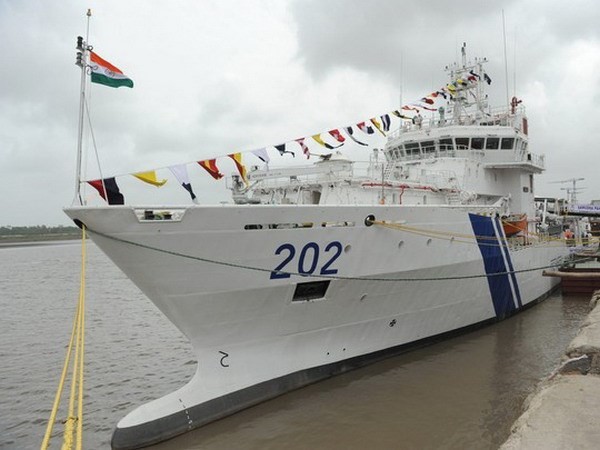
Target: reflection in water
{"type": "Point", "coordinates": [461, 393]}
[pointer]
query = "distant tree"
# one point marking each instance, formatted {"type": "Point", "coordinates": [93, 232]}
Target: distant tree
{"type": "Point", "coordinates": [36, 230]}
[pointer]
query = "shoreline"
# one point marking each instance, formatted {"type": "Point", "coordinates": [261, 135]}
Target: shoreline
{"type": "Point", "coordinates": [563, 411]}
{"type": "Point", "coordinates": [34, 240]}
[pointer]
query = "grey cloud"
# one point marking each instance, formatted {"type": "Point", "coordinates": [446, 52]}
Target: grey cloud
{"type": "Point", "coordinates": [372, 36]}
{"type": "Point", "coordinates": [236, 88]}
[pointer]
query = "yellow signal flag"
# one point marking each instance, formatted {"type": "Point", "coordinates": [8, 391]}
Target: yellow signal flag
{"type": "Point", "coordinates": [150, 178]}
{"type": "Point", "coordinates": [237, 158]}
{"type": "Point", "coordinates": [377, 125]}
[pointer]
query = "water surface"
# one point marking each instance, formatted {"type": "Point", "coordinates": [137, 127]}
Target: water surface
{"type": "Point", "coordinates": [461, 393]}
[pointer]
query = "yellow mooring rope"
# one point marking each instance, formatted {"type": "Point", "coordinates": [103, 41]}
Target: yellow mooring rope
{"type": "Point", "coordinates": [466, 238]}
{"type": "Point", "coordinates": [74, 420]}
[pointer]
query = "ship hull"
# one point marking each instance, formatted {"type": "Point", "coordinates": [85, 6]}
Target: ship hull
{"type": "Point", "coordinates": [237, 282]}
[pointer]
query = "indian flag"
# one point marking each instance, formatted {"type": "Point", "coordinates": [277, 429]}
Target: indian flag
{"type": "Point", "coordinates": [105, 73]}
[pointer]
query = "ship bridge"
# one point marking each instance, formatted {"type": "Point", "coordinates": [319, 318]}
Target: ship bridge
{"type": "Point", "coordinates": [498, 139]}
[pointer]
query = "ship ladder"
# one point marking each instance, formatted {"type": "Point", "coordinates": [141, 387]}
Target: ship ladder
{"type": "Point", "coordinates": [389, 168]}
{"type": "Point", "coordinates": [73, 432]}
{"type": "Point", "coordinates": [453, 198]}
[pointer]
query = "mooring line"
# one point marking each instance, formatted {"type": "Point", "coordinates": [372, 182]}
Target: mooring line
{"type": "Point", "coordinates": [74, 420]}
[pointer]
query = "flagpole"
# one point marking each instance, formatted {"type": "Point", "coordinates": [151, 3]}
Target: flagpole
{"type": "Point", "coordinates": [81, 61]}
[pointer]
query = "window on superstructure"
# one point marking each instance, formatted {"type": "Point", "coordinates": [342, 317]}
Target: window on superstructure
{"type": "Point", "coordinates": [492, 143]}
{"type": "Point", "coordinates": [315, 197]}
{"type": "Point", "coordinates": [524, 147]}
{"type": "Point", "coordinates": [531, 182]}
{"type": "Point", "coordinates": [412, 149]}
{"type": "Point", "coordinates": [477, 143]}
{"type": "Point", "coordinates": [396, 153]}
{"type": "Point", "coordinates": [507, 143]}
{"type": "Point", "coordinates": [462, 143]}
{"type": "Point", "coordinates": [428, 147]}
{"type": "Point", "coordinates": [446, 145]}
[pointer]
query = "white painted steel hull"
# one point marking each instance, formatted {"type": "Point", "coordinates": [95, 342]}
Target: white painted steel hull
{"type": "Point", "coordinates": [253, 342]}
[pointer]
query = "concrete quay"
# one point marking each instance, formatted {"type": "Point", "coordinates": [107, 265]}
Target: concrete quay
{"type": "Point", "coordinates": [564, 411]}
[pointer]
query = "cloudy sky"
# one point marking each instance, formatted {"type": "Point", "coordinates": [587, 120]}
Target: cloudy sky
{"type": "Point", "coordinates": [216, 77]}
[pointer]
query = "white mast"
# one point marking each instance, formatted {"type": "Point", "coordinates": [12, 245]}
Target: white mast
{"type": "Point", "coordinates": [82, 59]}
{"type": "Point", "coordinates": [505, 61]}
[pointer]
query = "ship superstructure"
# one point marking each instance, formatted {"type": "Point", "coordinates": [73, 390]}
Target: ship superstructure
{"type": "Point", "coordinates": [466, 154]}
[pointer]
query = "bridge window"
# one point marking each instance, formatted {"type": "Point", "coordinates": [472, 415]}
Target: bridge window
{"type": "Point", "coordinates": [462, 142]}
{"type": "Point", "coordinates": [412, 149]}
{"type": "Point", "coordinates": [524, 146]}
{"type": "Point", "coordinates": [446, 145]}
{"type": "Point", "coordinates": [492, 143]}
{"type": "Point", "coordinates": [395, 153]}
{"type": "Point", "coordinates": [507, 143]}
{"type": "Point", "coordinates": [477, 143]}
{"type": "Point", "coordinates": [427, 147]}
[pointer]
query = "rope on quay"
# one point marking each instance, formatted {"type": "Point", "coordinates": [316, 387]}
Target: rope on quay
{"type": "Point", "coordinates": [73, 432]}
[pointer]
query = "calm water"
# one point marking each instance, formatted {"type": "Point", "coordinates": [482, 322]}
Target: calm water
{"type": "Point", "coordinates": [462, 393]}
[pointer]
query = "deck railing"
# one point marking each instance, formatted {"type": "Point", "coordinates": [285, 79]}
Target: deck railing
{"type": "Point", "coordinates": [500, 116]}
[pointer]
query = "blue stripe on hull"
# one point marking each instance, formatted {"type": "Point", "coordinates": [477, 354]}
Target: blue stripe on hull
{"type": "Point", "coordinates": [513, 276]}
{"type": "Point", "coordinates": [493, 261]}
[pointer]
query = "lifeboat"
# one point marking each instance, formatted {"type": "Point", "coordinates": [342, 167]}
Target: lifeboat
{"type": "Point", "coordinates": [514, 224]}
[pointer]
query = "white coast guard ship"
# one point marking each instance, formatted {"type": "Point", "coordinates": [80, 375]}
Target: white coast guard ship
{"type": "Point", "coordinates": [314, 271]}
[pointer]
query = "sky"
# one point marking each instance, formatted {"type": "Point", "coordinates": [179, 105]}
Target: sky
{"type": "Point", "coordinates": [218, 77]}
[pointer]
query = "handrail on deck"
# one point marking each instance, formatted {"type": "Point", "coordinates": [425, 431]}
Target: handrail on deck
{"type": "Point", "coordinates": [500, 116]}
